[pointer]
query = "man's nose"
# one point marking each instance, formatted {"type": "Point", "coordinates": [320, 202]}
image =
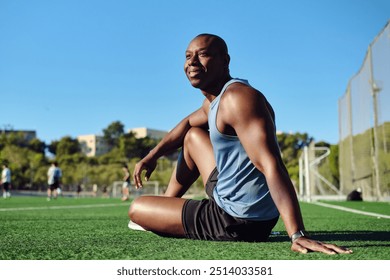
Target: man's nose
{"type": "Point", "coordinates": [193, 60]}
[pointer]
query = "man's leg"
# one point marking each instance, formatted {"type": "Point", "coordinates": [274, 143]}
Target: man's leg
{"type": "Point", "coordinates": [125, 192]}
{"type": "Point", "coordinates": [196, 159]}
{"type": "Point", "coordinates": [48, 193]}
{"type": "Point", "coordinates": [163, 215]}
{"type": "Point", "coordinates": [54, 191]}
{"type": "Point", "coordinates": [7, 192]}
{"type": "Point", "coordinates": [4, 191]}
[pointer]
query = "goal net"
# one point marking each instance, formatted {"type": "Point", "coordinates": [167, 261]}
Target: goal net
{"type": "Point", "coordinates": [149, 188]}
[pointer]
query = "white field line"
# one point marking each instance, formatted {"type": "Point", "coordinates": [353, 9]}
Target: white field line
{"type": "Point", "coordinates": [352, 210]}
{"type": "Point", "coordinates": [59, 207]}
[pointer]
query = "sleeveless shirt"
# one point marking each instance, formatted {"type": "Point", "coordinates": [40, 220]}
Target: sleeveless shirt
{"type": "Point", "coordinates": [241, 190]}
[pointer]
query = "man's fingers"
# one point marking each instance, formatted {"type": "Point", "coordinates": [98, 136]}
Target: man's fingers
{"type": "Point", "coordinates": [147, 174]}
{"type": "Point", "coordinates": [303, 245]}
{"type": "Point", "coordinates": [298, 248]}
{"type": "Point", "coordinates": [339, 250]}
{"type": "Point", "coordinates": [139, 168]}
{"type": "Point", "coordinates": [330, 249]}
{"type": "Point", "coordinates": [137, 178]}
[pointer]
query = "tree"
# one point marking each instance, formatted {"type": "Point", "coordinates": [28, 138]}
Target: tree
{"type": "Point", "coordinates": [67, 146]}
{"type": "Point", "coordinates": [36, 160]}
{"type": "Point", "coordinates": [128, 145]}
{"type": "Point", "coordinates": [19, 159]}
{"type": "Point", "coordinates": [329, 167]}
{"type": "Point", "coordinates": [290, 147]}
{"type": "Point", "coordinates": [37, 145]}
{"type": "Point", "coordinates": [52, 147]}
{"type": "Point", "coordinates": [13, 138]}
{"type": "Point", "coordinates": [132, 147]}
{"type": "Point", "coordinates": [112, 133]}
{"type": "Point", "coordinates": [334, 163]}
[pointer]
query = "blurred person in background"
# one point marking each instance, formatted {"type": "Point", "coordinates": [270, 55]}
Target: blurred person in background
{"type": "Point", "coordinates": [54, 175]}
{"type": "Point", "coordinates": [6, 181]}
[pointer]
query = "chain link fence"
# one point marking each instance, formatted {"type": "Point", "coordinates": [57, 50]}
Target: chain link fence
{"type": "Point", "coordinates": [364, 123]}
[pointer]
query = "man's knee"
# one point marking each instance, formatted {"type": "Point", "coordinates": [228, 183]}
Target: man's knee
{"type": "Point", "coordinates": [138, 207]}
{"type": "Point", "coordinates": [133, 209]}
{"type": "Point", "coordinates": [195, 136]}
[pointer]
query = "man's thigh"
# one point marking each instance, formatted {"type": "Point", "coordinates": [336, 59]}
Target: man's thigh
{"type": "Point", "coordinates": [160, 214]}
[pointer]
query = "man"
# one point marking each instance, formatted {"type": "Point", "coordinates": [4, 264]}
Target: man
{"type": "Point", "coordinates": [6, 181]}
{"type": "Point", "coordinates": [126, 183]}
{"type": "Point", "coordinates": [231, 143]}
{"type": "Point", "coordinates": [54, 175]}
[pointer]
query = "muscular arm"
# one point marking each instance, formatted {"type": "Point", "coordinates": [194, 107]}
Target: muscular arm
{"type": "Point", "coordinates": [254, 125]}
{"type": "Point", "coordinates": [172, 141]}
{"type": "Point", "coordinates": [245, 112]}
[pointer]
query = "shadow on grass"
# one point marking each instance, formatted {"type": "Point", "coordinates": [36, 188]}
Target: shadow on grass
{"type": "Point", "coordinates": [327, 236]}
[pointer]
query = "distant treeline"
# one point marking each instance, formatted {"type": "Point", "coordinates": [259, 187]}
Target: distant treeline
{"type": "Point", "coordinates": [30, 160]}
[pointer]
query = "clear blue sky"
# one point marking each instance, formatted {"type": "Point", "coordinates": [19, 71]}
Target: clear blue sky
{"type": "Point", "coordinates": [72, 67]}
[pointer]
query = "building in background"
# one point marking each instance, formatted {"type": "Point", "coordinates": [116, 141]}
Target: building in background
{"type": "Point", "coordinates": [93, 145]}
{"type": "Point", "coordinates": [27, 134]}
{"type": "Point", "coordinates": [142, 132]}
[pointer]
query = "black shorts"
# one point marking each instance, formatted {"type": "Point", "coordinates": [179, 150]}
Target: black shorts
{"type": "Point", "coordinates": [205, 220]}
{"type": "Point", "coordinates": [54, 186]}
{"type": "Point", "coordinates": [6, 186]}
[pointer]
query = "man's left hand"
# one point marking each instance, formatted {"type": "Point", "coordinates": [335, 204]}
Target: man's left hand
{"type": "Point", "coordinates": [305, 245]}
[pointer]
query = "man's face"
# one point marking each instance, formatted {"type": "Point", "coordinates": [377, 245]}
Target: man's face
{"type": "Point", "coordinates": [205, 64]}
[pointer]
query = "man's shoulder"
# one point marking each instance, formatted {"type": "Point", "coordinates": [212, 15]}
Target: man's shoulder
{"type": "Point", "coordinates": [238, 84]}
{"type": "Point", "coordinates": [240, 92]}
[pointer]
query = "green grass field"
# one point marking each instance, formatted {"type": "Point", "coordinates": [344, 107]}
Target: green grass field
{"type": "Point", "coordinates": [32, 228]}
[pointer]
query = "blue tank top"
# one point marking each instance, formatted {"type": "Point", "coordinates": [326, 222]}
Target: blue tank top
{"type": "Point", "coordinates": [241, 190]}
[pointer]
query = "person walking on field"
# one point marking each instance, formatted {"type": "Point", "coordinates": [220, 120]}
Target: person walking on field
{"type": "Point", "coordinates": [230, 141]}
{"type": "Point", "coordinates": [6, 181]}
{"type": "Point", "coordinates": [54, 175]}
{"type": "Point", "coordinates": [126, 183]}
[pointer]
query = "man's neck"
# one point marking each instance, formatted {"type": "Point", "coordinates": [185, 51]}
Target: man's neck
{"type": "Point", "coordinates": [212, 92]}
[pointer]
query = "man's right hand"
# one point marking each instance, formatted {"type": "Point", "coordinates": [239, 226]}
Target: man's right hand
{"type": "Point", "coordinates": [144, 164]}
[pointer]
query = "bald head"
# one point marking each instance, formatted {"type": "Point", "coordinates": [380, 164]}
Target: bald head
{"type": "Point", "coordinates": [207, 62]}
{"type": "Point", "coordinates": [215, 41]}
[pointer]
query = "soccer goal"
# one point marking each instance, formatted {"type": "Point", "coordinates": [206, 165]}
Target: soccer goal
{"type": "Point", "coordinates": [312, 184]}
{"type": "Point", "coordinates": [149, 188]}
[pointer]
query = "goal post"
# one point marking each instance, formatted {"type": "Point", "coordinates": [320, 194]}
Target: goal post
{"type": "Point", "coordinates": [312, 184]}
{"type": "Point", "coordinates": [149, 188]}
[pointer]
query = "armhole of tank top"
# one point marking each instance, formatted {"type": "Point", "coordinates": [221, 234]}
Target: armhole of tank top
{"type": "Point", "coordinates": [233, 81]}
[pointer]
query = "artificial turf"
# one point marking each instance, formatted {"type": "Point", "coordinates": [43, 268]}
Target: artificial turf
{"type": "Point", "coordinates": [96, 229]}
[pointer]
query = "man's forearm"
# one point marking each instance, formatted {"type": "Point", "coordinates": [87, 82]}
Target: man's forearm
{"type": "Point", "coordinates": [172, 141]}
{"type": "Point", "coordinates": [286, 201]}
